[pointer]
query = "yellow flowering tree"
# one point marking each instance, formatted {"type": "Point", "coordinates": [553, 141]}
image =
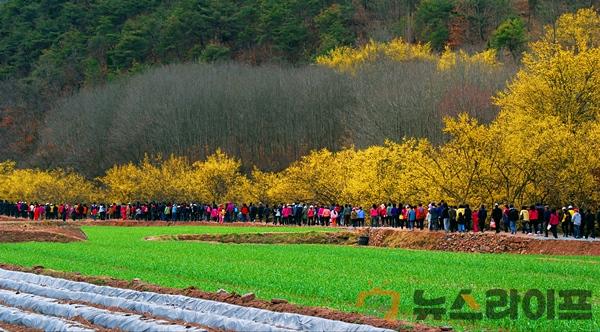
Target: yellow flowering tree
{"type": "Point", "coordinates": [561, 74]}
{"type": "Point", "coordinates": [266, 187]}
{"type": "Point", "coordinates": [348, 59]}
{"type": "Point", "coordinates": [549, 116]}
{"type": "Point", "coordinates": [43, 186]}
{"type": "Point", "coordinates": [384, 174]}
{"type": "Point", "coordinates": [217, 179]}
{"type": "Point", "coordinates": [317, 177]}
{"type": "Point", "coordinates": [122, 183]}
{"type": "Point", "coordinates": [154, 179]}
{"type": "Point", "coordinates": [458, 170]}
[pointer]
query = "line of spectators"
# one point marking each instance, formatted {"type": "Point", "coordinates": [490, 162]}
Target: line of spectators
{"type": "Point", "coordinates": [533, 220]}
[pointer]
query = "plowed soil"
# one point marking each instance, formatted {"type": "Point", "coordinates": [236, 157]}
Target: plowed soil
{"type": "Point", "coordinates": [17, 328]}
{"type": "Point", "coordinates": [348, 238]}
{"type": "Point", "coordinates": [481, 242]}
{"type": "Point", "coordinates": [27, 232]}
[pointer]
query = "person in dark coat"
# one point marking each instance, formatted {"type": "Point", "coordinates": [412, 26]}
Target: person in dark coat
{"type": "Point", "coordinates": [589, 220]}
{"type": "Point", "coordinates": [547, 214]}
{"type": "Point", "coordinates": [468, 218]}
{"type": "Point", "coordinates": [513, 216]}
{"type": "Point", "coordinates": [481, 217]}
{"type": "Point", "coordinates": [497, 216]}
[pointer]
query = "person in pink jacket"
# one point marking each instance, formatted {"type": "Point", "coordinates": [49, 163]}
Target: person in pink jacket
{"type": "Point", "coordinates": [374, 213]}
{"type": "Point", "coordinates": [320, 215]}
{"type": "Point", "coordinates": [285, 214]}
{"type": "Point", "coordinates": [214, 213]}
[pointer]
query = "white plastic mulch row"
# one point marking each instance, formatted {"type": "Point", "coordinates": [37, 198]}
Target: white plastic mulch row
{"type": "Point", "coordinates": [164, 311]}
{"type": "Point", "coordinates": [208, 313]}
{"type": "Point", "coordinates": [35, 321]}
{"type": "Point", "coordinates": [104, 318]}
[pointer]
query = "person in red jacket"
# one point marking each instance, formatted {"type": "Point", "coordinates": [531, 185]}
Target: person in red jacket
{"type": "Point", "coordinates": [534, 220]}
{"type": "Point", "coordinates": [245, 212]}
{"type": "Point", "coordinates": [475, 219]}
{"type": "Point", "coordinates": [382, 210]}
{"type": "Point", "coordinates": [36, 212]}
{"type": "Point", "coordinates": [421, 214]}
{"type": "Point", "coordinates": [554, 223]}
{"type": "Point", "coordinates": [123, 211]}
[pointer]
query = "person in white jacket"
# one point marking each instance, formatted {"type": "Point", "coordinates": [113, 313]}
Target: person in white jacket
{"type": "Point", "coordinates": [576, 219]}
{"type": "Point", "coordinates": [334, 216]}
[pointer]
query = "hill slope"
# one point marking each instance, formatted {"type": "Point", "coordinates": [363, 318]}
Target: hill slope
{"type": "Point", "coordinates": [53, 48]}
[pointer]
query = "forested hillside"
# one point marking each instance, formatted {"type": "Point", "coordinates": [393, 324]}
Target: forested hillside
{"type": "Point", "coordinates": [268, 116]}
{"type": "Point", "coordinates": [52, 49]}
{"type": "Point", "coordinates": [99, 38]}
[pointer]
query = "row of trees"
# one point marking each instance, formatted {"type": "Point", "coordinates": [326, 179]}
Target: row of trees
{"type": "Point", "coordinates": [542, 147]}
{"type": "Point", "coordinates": [508, 160]}
{"type": "Point", "coordinates": [268, 116]}
{"type": "Point", "coordinates": [43, 185]}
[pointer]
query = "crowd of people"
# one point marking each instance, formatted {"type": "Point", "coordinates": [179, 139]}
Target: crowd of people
{"type": "Point", "coordinates": [536, 219]}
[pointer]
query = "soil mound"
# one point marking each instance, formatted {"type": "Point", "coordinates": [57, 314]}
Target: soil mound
{"type": "Point", "coordinates": [341, 238]}
{"type": "Point", "coordinates": [422, 240]}
{"type": "Point", "coordinates": [481, 242]}
{"type": "Point", "coordinates": [40, 233]}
